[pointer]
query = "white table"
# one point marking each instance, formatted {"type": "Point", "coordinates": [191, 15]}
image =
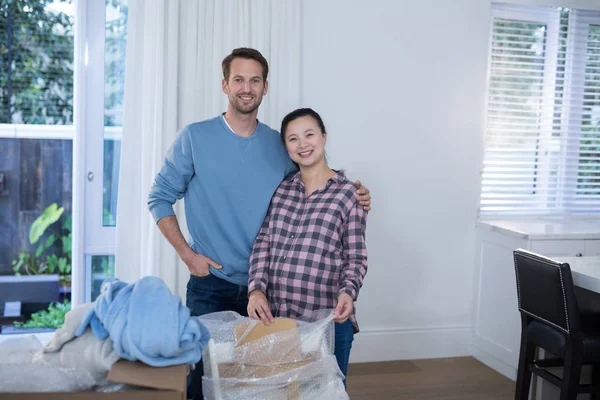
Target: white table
{"type": "Point", "coordinates": [585, 271]}
{"type": "Point", "coordinates": [586, 274]}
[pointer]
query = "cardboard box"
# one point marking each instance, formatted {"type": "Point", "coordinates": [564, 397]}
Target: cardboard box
{"type": "Point", "coordinates": [166, 383]}
{"type": "Point", "coordinates": [256, 360]}
{"type": "Point", "coordinates": [250, 349]}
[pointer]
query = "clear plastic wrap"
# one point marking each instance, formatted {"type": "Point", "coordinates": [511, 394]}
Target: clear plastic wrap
{"type": "Point", "coordinates": [24, 370]}
{"type": "Point", "coordinates": [289, 360]}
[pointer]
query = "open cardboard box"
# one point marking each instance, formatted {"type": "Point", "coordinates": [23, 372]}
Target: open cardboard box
{"type": "Point", "coordinates": [283, 355]}
{"type": "Point", "coordinates": [165, 383]}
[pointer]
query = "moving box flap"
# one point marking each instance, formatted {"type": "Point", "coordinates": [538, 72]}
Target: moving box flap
{"type": "Point", "coordinates": [137, 373]}
{"type": "Point", "coordinates": [259, 344]}
{"type": "Point", "coordinates": [260, 330]}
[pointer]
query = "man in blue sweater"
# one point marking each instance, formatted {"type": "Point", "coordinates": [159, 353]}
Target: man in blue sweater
{"type": "Point", "coordinates": [227, 168]}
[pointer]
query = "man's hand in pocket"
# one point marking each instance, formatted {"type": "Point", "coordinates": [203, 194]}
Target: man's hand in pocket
{"type": "Point", "coordinates": [199, 264]}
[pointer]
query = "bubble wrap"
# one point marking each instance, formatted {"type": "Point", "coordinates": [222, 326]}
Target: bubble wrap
{"type": "Point", "coordinates": [22, 369]}
{"type": "Point", "coordinates": [291, 360]}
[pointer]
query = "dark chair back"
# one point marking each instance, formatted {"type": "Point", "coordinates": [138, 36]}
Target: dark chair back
{"type": "Point", "coordinates": [545, 291]}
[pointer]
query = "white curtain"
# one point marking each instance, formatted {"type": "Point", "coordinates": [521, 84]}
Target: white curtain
{"type": "Point", "coordinates": [173, 77]}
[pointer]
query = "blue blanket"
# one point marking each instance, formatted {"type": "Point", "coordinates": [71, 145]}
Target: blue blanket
{"type": "Point", "coordinates": [146, 322]}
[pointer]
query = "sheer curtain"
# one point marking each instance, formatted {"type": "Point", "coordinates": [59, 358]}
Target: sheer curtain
{"type": "Point", "coordinates": [173, 77]}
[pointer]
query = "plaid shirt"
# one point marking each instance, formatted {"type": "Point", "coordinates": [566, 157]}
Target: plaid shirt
{"type": "Point", "coordinates": [310, 250]}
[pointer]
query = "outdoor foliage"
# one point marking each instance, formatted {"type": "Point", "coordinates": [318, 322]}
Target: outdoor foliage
{"type": "Point", "coordinates": [53, 317]}
{"type": "Point", "coordinates": [48, 258]}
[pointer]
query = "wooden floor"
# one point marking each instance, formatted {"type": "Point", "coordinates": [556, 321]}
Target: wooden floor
{"type": "Point", "coordinates": [440, 379]}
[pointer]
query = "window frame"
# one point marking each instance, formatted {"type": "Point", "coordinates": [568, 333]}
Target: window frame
{"type": "Point", "coordinates": [569, 127]}
{"type": "Point", "coordinates": [576, 56]}
{"type": "Point", "coordinates": [93, 238]}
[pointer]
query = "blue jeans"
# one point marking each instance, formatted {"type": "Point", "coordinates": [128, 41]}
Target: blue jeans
{"type": "Point", "coordinates": [344, 336]}
{"type": "Point", "coordinates": [206, 295]}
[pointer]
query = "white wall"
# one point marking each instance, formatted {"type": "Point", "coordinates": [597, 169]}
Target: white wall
{"type": "Point", "coordinates": [401, 87]}
{"type": "Point", "coordinates": [581, 4]}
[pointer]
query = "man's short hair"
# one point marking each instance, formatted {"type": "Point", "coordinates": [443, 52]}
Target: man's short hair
{"type": "Point", "coordinates": [249, 54]}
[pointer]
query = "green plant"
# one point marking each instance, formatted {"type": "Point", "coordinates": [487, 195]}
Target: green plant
{"type": "Point", "coordinates": [53, 317]}
{"type": "Point", "coordinates": [107, 266]}
{"type": "Point", "coordinates": [107, 218]}
{"type": "Point", "coordinates": [41, 261]}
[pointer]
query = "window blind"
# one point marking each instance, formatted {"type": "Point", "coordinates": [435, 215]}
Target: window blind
{"type": "Point", "coordinates": [542, 140]}
{"type": "Point", "coordinates": [36, 63]}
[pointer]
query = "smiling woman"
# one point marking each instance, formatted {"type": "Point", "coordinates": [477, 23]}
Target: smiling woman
{"type": "Point", "coordinates": [310, 253]}
{"type": "Point", "coordinates": [304, 138]}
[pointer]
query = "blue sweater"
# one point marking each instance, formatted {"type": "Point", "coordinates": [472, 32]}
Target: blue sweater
{"type": "Point", "coordinates": [227, 182]}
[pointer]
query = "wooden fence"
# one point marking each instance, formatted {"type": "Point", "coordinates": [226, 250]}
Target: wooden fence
{"type": "Point", "coordinates": [34, 173]}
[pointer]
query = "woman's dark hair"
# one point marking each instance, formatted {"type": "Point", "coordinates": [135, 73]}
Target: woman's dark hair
{"type": "Point", "coordinates": [301, 112]}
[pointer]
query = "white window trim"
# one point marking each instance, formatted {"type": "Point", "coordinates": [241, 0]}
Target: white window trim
{"type": "Point", "coordinates": [550, 18]}
{"type": "Point", "coordinates": [577, 36]}
{"type": "Point", "coordinates": [563, 151]}
{"type": "Point", "coordinates": [79, 142]}
{"type": "Point", "coordinates": [573, 4]}
{"type": "Point", "coordinates": [90, 237]}
{"type": "Point", "coordinates": [60, 132]}
{"type": "Point", "coordinates": [98, 239]}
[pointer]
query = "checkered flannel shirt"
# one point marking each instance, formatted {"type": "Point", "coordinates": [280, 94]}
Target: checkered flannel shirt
{"type": "Point", "coordinates": [310, 250]}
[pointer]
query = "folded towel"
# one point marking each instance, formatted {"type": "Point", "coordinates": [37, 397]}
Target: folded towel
{"type": "Point", "coordinates": [146, 322]}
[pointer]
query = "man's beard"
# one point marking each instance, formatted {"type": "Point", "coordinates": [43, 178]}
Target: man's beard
{"type": "Point", "coordinates": [247, 109]}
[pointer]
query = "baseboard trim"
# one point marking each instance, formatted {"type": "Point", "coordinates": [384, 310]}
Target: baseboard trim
{"type": "Point", "coordinates": [494, 363]}
{"type": "Point", "coordinates": [411, 343]}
